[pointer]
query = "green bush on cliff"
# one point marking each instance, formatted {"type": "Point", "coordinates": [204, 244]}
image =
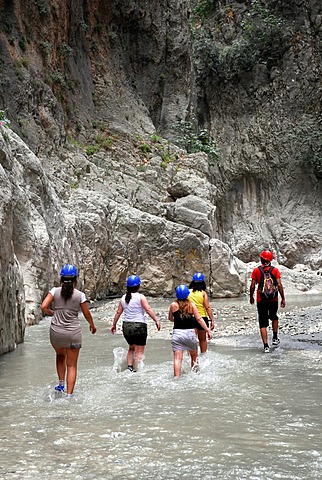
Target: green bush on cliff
{"type": "Point", "coordinates": [306, 139]}
{"type": "Point", "coordinates": [4, 120]}
{"type": "Point", "coordinates": [194, 140]}
{"type": "Point", "coordinates": [260, 37]}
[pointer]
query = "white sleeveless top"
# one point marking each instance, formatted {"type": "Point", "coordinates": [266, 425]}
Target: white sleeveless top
{"type": "Point", "coordinates": [133, 311]}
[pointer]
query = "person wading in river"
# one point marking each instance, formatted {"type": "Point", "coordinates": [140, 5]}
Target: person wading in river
{"type": "Point", "coordinates": [269, 283]}
{"type": "Point", "coordinates": [135, 330]}
{"type": "Point", "coordinates": [65, 329]}
{"type": "Point", "coordinates": [199, 297]}
{"type": "Point", "coordinates": [185, 317]}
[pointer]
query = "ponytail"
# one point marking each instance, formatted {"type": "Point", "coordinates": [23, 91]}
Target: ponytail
{"type": "Point", "coordinates": [129, 291]}
{"type": "Point", "coordinates": [67, 288]}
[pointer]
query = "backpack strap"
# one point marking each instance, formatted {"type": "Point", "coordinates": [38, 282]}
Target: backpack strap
{"type": "Point", "coordinates": [261, 281]}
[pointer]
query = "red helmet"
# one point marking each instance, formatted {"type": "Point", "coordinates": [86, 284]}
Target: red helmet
{"type": "Point", "coordinates": [267, 255]}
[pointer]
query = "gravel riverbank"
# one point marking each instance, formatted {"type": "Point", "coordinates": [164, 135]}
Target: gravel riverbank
{"type": "Point", "coordinates": [302, 317]}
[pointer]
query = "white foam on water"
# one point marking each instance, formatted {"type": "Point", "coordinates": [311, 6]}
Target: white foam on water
{"type": "Point", "coordinates": [228, 421]}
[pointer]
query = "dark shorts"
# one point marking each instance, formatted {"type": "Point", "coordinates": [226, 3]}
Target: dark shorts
{"type": "Point", "coordinates": [135, 333]}
{"type": "Point", "coordinates": [267, 310]}
{"type": "Point", "coordinates": [199, 327]}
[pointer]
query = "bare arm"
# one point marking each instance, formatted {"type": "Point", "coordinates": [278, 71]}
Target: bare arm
{"type": "Point", "coordinates": [46, 304]}
{"type": "Point", "coordinates": [117, 315]}
{"type": "Point", "coordinates": [200, 320]}
{"type": "Point", "coordinates": [251, 291]}
{"type": "Point", "coordinates": [281, 290]}
{"type": "Point", "coordinates": [87, 314]}
{"type": "Point", "coordinates": [209, 310]}
{"type": "Point", "coordinates": [149, 311]}
{"type": "Point", "coordinates": [170, 315]}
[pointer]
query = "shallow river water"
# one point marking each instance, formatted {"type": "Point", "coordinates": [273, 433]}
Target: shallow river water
{"type": "Point", "coordinates": [245, 416]}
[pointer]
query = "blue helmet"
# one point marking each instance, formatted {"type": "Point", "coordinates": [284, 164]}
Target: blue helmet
{"type": "Point", "coordinates": [198, 277]}
{"type": "Point", "coordinates": [68, 271]}
{"type": "Point", "coordinates": [133, 281]}
{"type": "Point", "coordinates": [182, 292]}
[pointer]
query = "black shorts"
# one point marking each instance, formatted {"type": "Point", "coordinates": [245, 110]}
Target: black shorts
{"type": "Point", "coordinates": [199, 327]}
{"type": "Point", "coordinates": [267, 310]}
{"type": "Point", "coordinates": [135, 333]}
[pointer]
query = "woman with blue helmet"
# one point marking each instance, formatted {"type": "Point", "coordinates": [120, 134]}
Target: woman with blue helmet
{"type": "Point", "coordinates": [65, 329]}
{"type": "Point", "coordinates": [185, 318]}
{"type": "Point", "coordinates": [199, 297]}
{"type": "Point", "coordinates": [134, 327]}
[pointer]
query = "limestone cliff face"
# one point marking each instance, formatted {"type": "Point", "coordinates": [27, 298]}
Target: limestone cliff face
{"type": "Point", "coordinates": [93, 89]}
{"type": "Point", "coordinates": [258, 82]}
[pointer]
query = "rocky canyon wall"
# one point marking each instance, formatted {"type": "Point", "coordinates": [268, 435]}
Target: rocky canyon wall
{"type": "Point", "coordinates": [99, 93]}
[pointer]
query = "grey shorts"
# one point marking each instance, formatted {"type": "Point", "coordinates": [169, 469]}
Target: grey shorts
{"type": "Point", "coordinates": [135, 333]}
{"type": "Point", "coordinates": [62, 338]}
{"type": "Point", "coordinates": [184, 339]}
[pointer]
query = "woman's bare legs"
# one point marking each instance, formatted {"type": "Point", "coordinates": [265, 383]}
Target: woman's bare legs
{"type": "Point", "coordinates": [194, 356]}
{"type": "Point", "coordinates": [178, 354]}
{"type": "Point", "coordinates": [72, 359]}
{"type": "Point", "coordinates": [138, 355]}
{"type": "Point", "coordinates": [202, 337]}
{"type": "Point", "coordinates": [61, 356]}
{"type": "Point", "coordinates": [130, 355]}
{"type": "Point", "coordinates": [66, 361]}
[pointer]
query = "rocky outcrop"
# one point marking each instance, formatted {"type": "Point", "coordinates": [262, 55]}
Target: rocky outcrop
{"type": "Point", "coordinates": [94, 88]}
{"type": "Point", "coordinates": [254, 95]}
{"type": "Point", "coordinates": [110, 219]}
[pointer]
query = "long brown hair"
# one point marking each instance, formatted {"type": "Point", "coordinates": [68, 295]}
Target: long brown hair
{"type": "Point", "coordinates": [67, 287]}
{"type": "Point", "coordinates": [185, 307]}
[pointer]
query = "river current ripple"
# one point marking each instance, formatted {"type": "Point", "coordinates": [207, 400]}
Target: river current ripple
{"type": "Point", "coordinates": [245, 416]}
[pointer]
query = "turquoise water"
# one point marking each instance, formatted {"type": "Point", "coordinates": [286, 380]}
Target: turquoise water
{"type": "Point", "coordinates": [246, 415]}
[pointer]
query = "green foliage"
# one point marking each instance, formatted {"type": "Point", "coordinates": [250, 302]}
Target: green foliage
{"type": "Point", "coordinates": [22, 62]}
{"type": "Point", "coordinates": [202, 8]}
{"type": "Point", "coordinates": [65, 50]}
{"type": "Point", "coordinates": [307, 143]}
{"type": "Point", "coordinates": [104, 142]}
{"type": "Point", "coordinates": [5, 135]}
{"type": "Point", "coordinates": [22, 43]}
{"type": "Point", "coordinates": [145, 148]}
{"type": "Point", "coordinates": [112, 35]}
{"type": "Point", "coordinates": [155, 138]}
{"type": "Point", "coordinates": [4, 122]}
{"type": "Point", "coordinates": [46, 48]}
{"type": "Point", "coordinates": [42, 6]}
{"type": "Point", "coordinates": [18, 70]}
{"type": "Point", "coordinates": [91, 149]}
{"type": "Point", "coordinates": [58, 77]}
{"type": "Point", "coordinates": [74, 142]}
{"type": "Point", "coordinates": [194, 140]}
{"type": "Point", "coordinates": [167, 158]}
{"type": "Point", "coordinates": [262, 37]}
{"type": "Point", "coordinates": [101, 142]}
{"type": "Point", "coordinates": [141, 168]}
{"type": "Point", "coordinates": [264, 31]}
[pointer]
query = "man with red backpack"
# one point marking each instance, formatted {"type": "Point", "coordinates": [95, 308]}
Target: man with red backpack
{"type": "Point", "coordinates": [269, 283]}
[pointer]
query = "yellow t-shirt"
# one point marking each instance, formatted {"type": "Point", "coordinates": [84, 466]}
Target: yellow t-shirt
{"type": "Point", "coordinates": [198, 299]}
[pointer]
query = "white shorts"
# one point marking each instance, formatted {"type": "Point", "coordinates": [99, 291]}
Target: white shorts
{"type": "Point", "coordinates": [184, 339]}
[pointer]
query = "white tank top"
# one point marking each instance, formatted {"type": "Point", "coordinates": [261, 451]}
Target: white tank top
{"type": "Point", "coordinates": [133, 311]}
